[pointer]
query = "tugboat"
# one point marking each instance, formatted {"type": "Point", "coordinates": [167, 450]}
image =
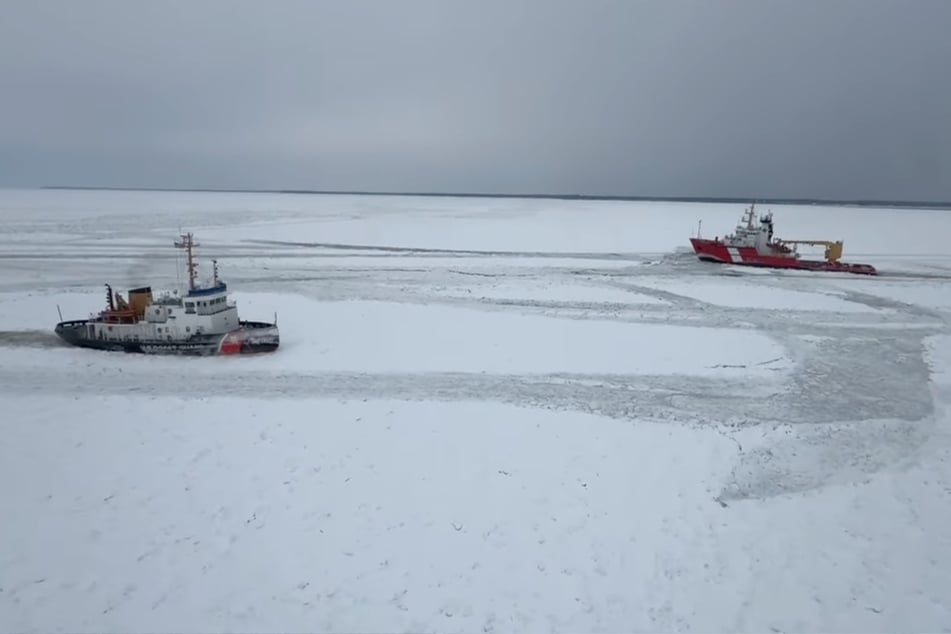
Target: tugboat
{"type": "Point", "coordinates": [201, 322]}
{"type": "Point", "coordinates": [753, 245]}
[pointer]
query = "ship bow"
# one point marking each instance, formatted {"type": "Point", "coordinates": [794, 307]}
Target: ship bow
{"type": "Point", "coordinates": [251, 337]}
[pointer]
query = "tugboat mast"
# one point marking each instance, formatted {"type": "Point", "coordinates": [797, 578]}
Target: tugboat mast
{"type": "Point", "coordinates": [187, 242]}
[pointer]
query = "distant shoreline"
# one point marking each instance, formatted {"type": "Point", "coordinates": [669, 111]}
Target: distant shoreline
{"type": "Point", "coordinates": [682, 199]}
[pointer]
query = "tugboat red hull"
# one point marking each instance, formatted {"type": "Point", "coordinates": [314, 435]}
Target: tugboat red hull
{"type": "Point", "coordinates": [717, 251]}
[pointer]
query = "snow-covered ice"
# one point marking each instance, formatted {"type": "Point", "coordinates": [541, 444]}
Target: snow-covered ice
{"type": "Point", "coordinates": [485, 415]}
{"type": "Point", "coordinates": [750, 292]}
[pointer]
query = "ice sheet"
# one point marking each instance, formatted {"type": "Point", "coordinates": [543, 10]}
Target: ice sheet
{"type": "Point", "coordinates": [752, 293]}
{"type": "Point", "coordinates": [554, 421]}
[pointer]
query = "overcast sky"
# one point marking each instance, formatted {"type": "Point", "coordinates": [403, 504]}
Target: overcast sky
{"type": "Point", "coordinates": [812, 98]}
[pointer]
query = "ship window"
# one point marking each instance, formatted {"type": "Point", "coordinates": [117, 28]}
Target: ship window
{"type": "Point", "coordinates": [188, 328]}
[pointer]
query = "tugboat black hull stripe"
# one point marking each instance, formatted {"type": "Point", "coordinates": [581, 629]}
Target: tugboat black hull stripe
{"type": "Point", "coordinates": [249, 338]}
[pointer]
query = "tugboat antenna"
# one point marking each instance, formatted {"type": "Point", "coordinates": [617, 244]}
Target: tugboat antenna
{"type": "Point", "coordinates": [188, 243]}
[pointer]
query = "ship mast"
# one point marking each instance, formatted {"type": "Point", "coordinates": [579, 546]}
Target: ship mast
{"type": "Point", "coordinates": [187, 242]}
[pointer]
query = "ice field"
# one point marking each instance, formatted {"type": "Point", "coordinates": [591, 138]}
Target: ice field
{"type": "Point", "coordinates": [486, 415]}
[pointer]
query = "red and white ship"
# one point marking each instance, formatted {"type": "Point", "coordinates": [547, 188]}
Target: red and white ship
{"type": "Point", "coordinates": [753, 245]}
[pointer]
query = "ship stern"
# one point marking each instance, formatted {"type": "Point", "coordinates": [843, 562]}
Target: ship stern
{"type": "Point", "coordinates": [71, 332]}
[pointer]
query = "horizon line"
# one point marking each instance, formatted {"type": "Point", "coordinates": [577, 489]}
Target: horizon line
{"type": "Point", "coordinates": [595, 197]}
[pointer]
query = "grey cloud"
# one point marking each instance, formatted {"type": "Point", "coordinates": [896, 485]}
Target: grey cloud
{"type": "Point", "coordinates": [824, 98]}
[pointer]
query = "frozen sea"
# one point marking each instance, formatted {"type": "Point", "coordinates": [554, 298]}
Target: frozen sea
{"type": "Point", "coordinates": [486, 415]}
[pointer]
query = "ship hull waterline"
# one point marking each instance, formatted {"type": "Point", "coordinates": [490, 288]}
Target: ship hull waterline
{"type": "Point", "coordinates": [251, 337]}
{"type": "Point", "coordinates": [718, 252]}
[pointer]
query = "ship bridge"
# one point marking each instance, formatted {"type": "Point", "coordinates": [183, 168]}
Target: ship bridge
{"type": "Point", "coordinates": [208, 300]}
{"type": "Point", "coordinates": [203, 300]}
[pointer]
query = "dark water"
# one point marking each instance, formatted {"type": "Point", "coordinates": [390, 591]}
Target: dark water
{"type": "Point", "coordinates": [30, 339]}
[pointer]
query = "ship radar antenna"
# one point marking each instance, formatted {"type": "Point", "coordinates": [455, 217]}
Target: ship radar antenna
{"type": "Point", "coordinates": [187, 242]}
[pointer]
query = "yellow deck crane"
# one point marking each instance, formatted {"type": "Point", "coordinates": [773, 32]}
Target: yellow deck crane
{"type": "Point", "coordinates": [833, 252]}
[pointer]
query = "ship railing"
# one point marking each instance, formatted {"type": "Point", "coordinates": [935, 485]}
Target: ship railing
{"type": "Point", "coordinates": [72, 323]}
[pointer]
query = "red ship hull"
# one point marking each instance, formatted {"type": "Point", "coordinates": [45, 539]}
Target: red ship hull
{"type": "Point", "coordinates": [717, 251]}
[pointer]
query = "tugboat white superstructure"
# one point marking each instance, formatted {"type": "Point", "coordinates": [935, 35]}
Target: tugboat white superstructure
{"type": "Point", "coordinates": [203, 321]}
